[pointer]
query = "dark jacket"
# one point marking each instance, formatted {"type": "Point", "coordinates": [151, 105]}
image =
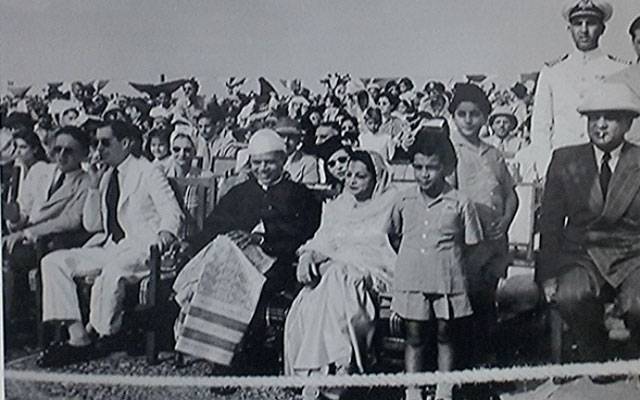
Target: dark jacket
{"type": "Point", "coordinates": [577, 227]}
{"type": "Point", "coordinates": [289, 211]}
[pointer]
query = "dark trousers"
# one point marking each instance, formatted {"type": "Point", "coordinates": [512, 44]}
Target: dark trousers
{"type": "Point", "coordinates": [580, 299]}
{"type": "Point", "coordinates": [18, 299]}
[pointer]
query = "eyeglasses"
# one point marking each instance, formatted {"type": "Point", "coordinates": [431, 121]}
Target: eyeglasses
{"type": "Point", "coordinates": [105, 142]}
{"type": "Point", "coordinates": [341, 160]}
{"type": "Point", "coordinates": [187, 150]}
{"type": "Point", "coordinates": [63, 149]}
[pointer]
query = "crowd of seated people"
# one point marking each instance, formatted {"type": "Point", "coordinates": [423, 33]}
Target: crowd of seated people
{"type": "Point", "coordinates": [101, 167]}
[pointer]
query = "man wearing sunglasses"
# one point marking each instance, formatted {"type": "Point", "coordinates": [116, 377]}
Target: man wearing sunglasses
{"type": "Point", "coordinates": [53, 193]}
{"type": "Point", "coordinates": [130, 206]}
{"type": "Point", "coordinates": [53, 198]}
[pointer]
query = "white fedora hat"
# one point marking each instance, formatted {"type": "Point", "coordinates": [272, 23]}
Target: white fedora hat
{"type": "Point", "coordinates": [610, 97]}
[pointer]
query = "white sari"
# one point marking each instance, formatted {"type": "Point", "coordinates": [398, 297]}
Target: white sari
{"type": "Point", "coordinates": [333, 322]}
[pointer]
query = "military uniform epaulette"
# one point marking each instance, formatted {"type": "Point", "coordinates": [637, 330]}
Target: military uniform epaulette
{"type": "Point", "coordinates": [556, 61]}
{"type": "Point", "coordinates": [619, 60]}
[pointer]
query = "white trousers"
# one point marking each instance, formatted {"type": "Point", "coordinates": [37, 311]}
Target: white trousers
{"type": "Point", "coordinates": [117, 264]}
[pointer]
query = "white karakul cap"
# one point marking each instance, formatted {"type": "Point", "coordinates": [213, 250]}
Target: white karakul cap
{"type": "Point", "coordinates": [610, 97]}
{"type": "Point", "coordinates": [265, 141]}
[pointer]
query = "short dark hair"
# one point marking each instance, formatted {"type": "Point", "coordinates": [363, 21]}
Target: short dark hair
{"type": "Point", "coordinates": [407, 81]}
{"type": "Point", "coordinates": [120, 129]}
{"type": "Point", "coordinates": [430, 142]}
{"type": "Point", "coordinates": [18, 120]}
{"type": "Point", "coordinates": [472, 93]}
{"type": "Point", "coordinates": [393, 100]}
{"type": "Point", "coordinates": [635, 25]}
{"type": "Point", "coordinates": [330, 124]}
{"type": "Point", "coordinates": [373, 113]}
{"type": "Point", "coordinates": [77, 134]}
{"type": "Point", "coordinates": [124, 129]}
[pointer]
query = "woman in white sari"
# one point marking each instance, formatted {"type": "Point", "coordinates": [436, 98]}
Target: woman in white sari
{"type": "Point", "coordinates": [344, 267]}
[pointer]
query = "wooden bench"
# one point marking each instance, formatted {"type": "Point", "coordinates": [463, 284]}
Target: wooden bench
{"type": "Point", "coordinates": [149, 302]}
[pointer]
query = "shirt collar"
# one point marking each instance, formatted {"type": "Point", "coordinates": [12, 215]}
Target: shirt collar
{"type": "Point", "coordinates": [461, 142]}
{"type": "Point", "coordinates": [57, 172]}
{"type": "Point", "coordinates": [615, 156]}
{"type": "Point", "coordinates": [589, 55]}
{"type": "Point", "coordinates": [445, 194]}
{"type": "Point", "coordinates": [265, 187]}
{"type": "Point", "coordinates": [122, 167]}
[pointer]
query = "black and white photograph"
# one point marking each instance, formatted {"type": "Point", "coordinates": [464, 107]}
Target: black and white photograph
{"type": "Point", "coordinates": [337, 200]}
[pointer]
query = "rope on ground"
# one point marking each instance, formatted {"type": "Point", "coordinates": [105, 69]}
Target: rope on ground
{"type": "Point", "coordinates": [614, 368]}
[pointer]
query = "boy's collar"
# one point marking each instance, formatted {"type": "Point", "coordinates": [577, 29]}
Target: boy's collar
{"type": "Point", "coordinates": [458, 140]}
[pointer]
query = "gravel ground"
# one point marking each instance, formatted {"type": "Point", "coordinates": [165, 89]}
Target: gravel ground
{"type": "Point", "coordinates": [121, 363]}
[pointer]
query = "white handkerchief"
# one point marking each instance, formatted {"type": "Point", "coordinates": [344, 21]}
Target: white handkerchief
{"type": "Point", "coordinates": [259, 228]}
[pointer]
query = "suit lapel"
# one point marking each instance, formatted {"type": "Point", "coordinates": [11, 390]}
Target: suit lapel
{"type": "Point", "coordinates": [129, 182]}
{"type": "Point", "coordinates": [624, 185]}
{"type": "Point", "coordinates": [65, 191]}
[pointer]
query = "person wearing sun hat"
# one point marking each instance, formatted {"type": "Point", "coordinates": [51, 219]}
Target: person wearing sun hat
{"type": "Point", "coordinates": [563, 82]}
{"type": "Point", "coordinates": [590, 222]}
{"type": "Point", "coordinates": [502, 126]}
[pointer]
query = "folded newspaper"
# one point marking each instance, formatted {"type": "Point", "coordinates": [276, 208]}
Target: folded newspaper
{"type": "Point", "coordinates": [224, 284]}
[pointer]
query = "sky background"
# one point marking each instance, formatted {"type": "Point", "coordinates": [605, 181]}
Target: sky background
{"type": "Point", "coordinates": [138, 40]}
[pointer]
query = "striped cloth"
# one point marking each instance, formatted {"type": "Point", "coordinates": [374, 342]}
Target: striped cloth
{"type": "Point", "coordinates": [214, 321]}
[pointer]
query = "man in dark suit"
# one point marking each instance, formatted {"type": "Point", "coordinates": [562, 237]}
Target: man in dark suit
{"type": "Point", "coordinates": [590, 222]}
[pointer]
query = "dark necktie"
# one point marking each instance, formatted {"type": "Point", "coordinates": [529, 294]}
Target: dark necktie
{"type": "Point", "coordinates": [113, 194]}
{"type": "Point", "coordinates": [55, 186]}
{"type": "Point", "coordinates": [605, 174]}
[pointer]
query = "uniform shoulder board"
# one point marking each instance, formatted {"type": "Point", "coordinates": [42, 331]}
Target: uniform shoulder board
{"type": "Point", "coordinates": [557, 60]}
{"type": "Point", "coordinates": [619, 60]}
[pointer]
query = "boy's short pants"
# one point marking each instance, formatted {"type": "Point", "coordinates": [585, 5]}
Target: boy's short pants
{"type": "Point", "coordinates": [422, 306]}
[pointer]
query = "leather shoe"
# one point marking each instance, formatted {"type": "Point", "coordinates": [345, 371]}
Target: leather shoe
{"type": "Point", "coordinates": [108, 344]}
{"type": "Point", "coordinates": [62, 353]}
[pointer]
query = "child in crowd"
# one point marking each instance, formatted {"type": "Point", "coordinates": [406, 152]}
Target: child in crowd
{"type": "Point", "coordinates": [503, 123]}
{"type": "Point", "coordinates": [434, 223]}
{"type": "Point", "coordinates": [481, 175]}
{"type": "Point", "coordinates": [158, 145]}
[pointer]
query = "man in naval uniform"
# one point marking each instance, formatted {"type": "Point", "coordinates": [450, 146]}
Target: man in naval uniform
{"type": "Point", "coordinates": [630, 76]}
{"type": "Point", "coordinates": [562, 83]}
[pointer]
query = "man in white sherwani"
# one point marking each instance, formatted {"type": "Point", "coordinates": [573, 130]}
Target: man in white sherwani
{"type": "Point", "coordinates": [130, 206]}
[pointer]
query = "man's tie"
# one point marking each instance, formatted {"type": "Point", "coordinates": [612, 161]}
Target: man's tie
{"type": "Point", "coordinates": [113, 194]}
{"type": "Point", "coordinates": [605, 174]}
{"type": "Point", "coordinates": [57, 184]}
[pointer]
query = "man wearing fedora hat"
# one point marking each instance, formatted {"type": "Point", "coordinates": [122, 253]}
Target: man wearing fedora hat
{"type": "Point", "coordinates": [562, 83]}
{"type": "Point", "coordinates": [590, 222]}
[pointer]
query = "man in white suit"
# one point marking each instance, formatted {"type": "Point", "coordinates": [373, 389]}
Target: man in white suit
{"type": "Point", "coordinates": [53, 193]}
{"type": "Point", "coordinates": [131, 207]}
{"type": "Point", "coordinates": [52, 199]}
